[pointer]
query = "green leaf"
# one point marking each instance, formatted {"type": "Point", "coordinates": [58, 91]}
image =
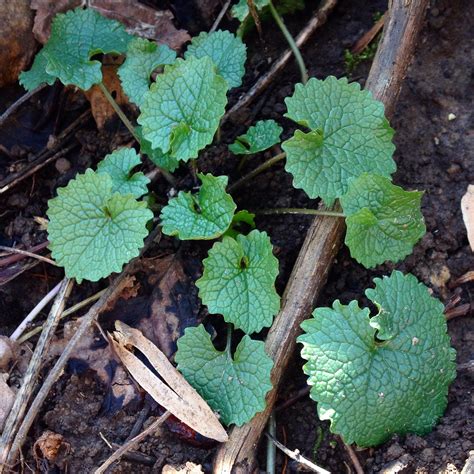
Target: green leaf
{"type": "Point", "coordinates": [118, 165]}
{"type": "Point", "coordinates": [143, 57]}
{"type": "Point", "coordinates": [374, 377]}
{"type": "Point", "coordinates": [37, 75]}
{"type": "Point", "coordinates": [239, 281]}
{"type": "Point", "coordinates": [182, 110]}
{"type": "Point", "coordinates": [241, 10]}
{"type": "Point", "coordinates": [383, 221]}
{"type": "Point", "coordinates": [227, 52]}
{"type": "Point", "coordinates": [263, 135]}
{"type": "Point", "coordinates": [204, 215]}
{"type": "Point", "coordinates": [92, 231]}
{"type": "Point", "coordinates": [76, 36]}
{"type": "Point", "coordinates": [349, 136]}
{"type": "Point", "coordinates": [160, 159]}
{"type": "Point", "coordinates": [234, 387]}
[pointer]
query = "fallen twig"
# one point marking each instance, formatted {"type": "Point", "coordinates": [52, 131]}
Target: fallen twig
{"type": "Point", "coordinates": [220, 16]}
{"type": "Point", "coordinates": [24, 98]}
{"type": "Point", "coordinates": [34, 312]}
{"type": "Point", "coordinates": [367, 37]}
{"type": "Point", "coordinates": [15, 416]}
{"type": "Point", "coordinates": [47, 155]}
{"type": "Point", "coordinates": [318, 19]}
{"type": "Point", "coordinates": [354, 459]}
{"type": "Point", "coordinates": [132, 443]}
{"type": "Point", "coordinates": [297, 456]}
{"type": "Point", "coordinates": [322, 241]}
{"type": "Point", "coordinates": [4, 261]}
{"type": "Point", "coordinates": [27, 254]}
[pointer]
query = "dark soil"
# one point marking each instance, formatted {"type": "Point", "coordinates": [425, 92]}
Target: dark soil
{"type": "Point", "coordinates": [433, 154]}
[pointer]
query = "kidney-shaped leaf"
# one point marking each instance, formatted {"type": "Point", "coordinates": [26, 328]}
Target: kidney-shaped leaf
{"type": "Point", "coordinates": [239, 281]}
{"type": "Point", "coordinates": [204, 215]}
{"type": "Point", "coordinates": [383, 221]}
{"type": "Point", "coordinates": [234, 387]}
{"type": "Point", "coordinates": [143, 57]}
{"type": "Point", "coordinates": [374, 377]}
{"type": "Point", "coordinates": [183, 108]}
{"type": "Point", "coordinates": [349, 135]}
{"type": "Point", "coordinates": [92, 231]}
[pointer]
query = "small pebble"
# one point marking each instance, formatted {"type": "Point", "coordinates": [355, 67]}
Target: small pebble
{"type": "Point", "coordinates": [63, 165]}
{"type": "Point", "coordinates": [451, 117]}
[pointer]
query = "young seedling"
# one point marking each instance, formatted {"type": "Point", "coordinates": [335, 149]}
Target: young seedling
{"type": "Point", "coordinates": [376, 376]}
{"type": "Point", "coordinates": [379, 367]}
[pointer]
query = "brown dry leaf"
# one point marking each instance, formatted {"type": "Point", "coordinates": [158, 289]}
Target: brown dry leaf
{"type": "Point", "coordinates": [178, 397]}
{"type": "Point", "coordinates": [8, 352]}
{"type": "Point", "coordinates": [101, 109]}
{"type": "Point", "coordinates": [45, 12]}
{"type": "Point", "coordinates": [188, 468]}
{"type": "Point", "coordinates": [51, 447]}
{"type": "Point", "coordinates": [7, 397]}
{"type": "Point", "coordinates": [139, 19]}
{"type": "Point", "coordinates": [174, 304]}
{"type": "Point", "coordinates": [467, 208]}
{"type": "Point", "coordinates": [17, 44]}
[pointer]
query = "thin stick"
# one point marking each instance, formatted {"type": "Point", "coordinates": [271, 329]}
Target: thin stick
{"type": "Point", "coordinates": [66, 313]}
{"type": "Point", "coordinates": [220, 16]}
{"type": "Point", "coordinates": [13, 107]}
{"type": "Point", "coordinates": [4, 261]}
{"type": "Point", "coordinates": [112, 292]}
{"type": "Point", "coordinates": [29, 380]}
{"type": "Point", "coordinates": [34, 312]}
{"type": "Point", "coordinates": [354, 459]}
{"type": "Point", "coordinates": [129, 445]}
{"type": "Point", "coordinates": [118, 111]}
{"type": "Point", "coordinates": [44, 157]}
{"type": "Point", "coordinates": [297, 456]}
{"type": "Point", "coordinates": [297, 53]}
{"type": "Point", "coordinates": [260, 169]}
{"type": "Point", "coordinates": [298, 211]}
{"type": "Point", "coordinates": [271, 448]}
{"type": "Point", "coordinates": [33, 169]}
{"type": "Point", "coordinates": [28, 254]}
{"type": "Point", "coordinates": [256, 90]}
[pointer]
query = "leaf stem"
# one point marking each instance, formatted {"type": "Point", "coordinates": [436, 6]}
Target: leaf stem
{"type": "Point", "coordinates": [131, 129]}
{"type": "Point", "coordinates": [297, 210]}
{"type": "Point", "coordinates": [118, 111]}
{"type": "Point", "coordinates": [267, 164]}
{"type": "Point", "coordinates": [299, 59]}
{"type": "Point", "coordinates": [228, 346]}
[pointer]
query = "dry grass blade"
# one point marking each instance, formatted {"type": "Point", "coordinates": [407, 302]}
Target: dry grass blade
{"type": "Point", "coordinates": [179, 398]}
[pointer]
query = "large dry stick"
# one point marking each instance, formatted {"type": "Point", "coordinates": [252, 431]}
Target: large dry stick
{"type": "Point", "coordinates": [29, 380]}
{"type": "Point", "coordinates": [322, 241]}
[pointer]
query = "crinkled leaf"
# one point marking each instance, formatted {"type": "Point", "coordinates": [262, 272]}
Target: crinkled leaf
{"type": "Point", "coordinates": [118, 165]}
{"type": "Point", "coordinates": [37, 75]}
{"type": "Point", "coordinates": [204, 215]}
{"type": "Point", "coordinates": [227, 52]}
{"type": "Point", "coordinates": [76, 36]}
{"type": "Point", "coordinates": [183, 108]}
{"type": "Point", "coordinates": [374, 377]}
{"type": "Point", "coordinates": [92, 231]}
{"type": "Point", "coordinates": [239, 281]}
{"type": "Point", "coordinates": [383, 221]}
{"type": "Point", "coordinates": [234, 387]}
{"type": "Point", "coordinates": [259, 137]}
{"type": "Point", "coordinates": [160, 159]}
{"type": "Point", "coordinates": [241, 10]}
{"type": "Point", "coordinates": [349, 136]}
{"type": "Point", "coordinates": [143, 57]}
